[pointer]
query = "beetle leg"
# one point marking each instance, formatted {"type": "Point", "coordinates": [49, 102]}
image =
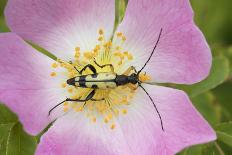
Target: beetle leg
{"type": "Point", "coordinates": [132, 86]}
{"type": "Point", "coordinates": [92, 99]}
{"type": "Point", "coordinates": [102, 66]}
{"type": "Point", "coordinates": [89, 97]}
{"type": "Point", "coordinates": [91, 67]}
{"type": "Point", "coordinates": [128, 71]}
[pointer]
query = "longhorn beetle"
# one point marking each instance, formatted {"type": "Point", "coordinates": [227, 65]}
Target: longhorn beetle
{"type": "Point", "coordinates": [108, 80]}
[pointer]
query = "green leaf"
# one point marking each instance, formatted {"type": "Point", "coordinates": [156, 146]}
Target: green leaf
{"type": "Point", "coordinates": [212, 149]}
{"type": "Point", "coordinates": [194, 150]}
{"type": "Point", "coordinates": [225, 148]}
{"type": "Point", "coordinates": [4, 134]}
{"type": "Point", "coordinates": [210, 111]}
{"type": "Point", "coordinates": [223, 97]}
{"type": "Point", "coordinates": [214, 19]}
{"type": "Point", "coordinates": [19, 142]}
{"type": "Point", "coordinates": [2, 6]}
{"type": "Point", "coordinates": [219, 73]}
{"type": "Point", "coordinates": [228, 54]}
{"type": "Point", "coordinates": [6, 116]}
{"type": "Point", "coordinates": [3, 26]}
{"type": "Point", "coordinates": [13, 139]}
{"type": "Point", "coordinates": [224, 133]}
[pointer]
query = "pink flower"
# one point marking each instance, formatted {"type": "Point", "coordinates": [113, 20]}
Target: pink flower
{"type": "Point", "coordinates": [31, 84]}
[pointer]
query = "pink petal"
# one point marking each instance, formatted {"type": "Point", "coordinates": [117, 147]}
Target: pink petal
{"type": "Point", "coordinates": [182, 55]}
{"type": "Point", "coordinates": [61, 25]}
{"type": "Point", "coordinates": [137, 133]}
{"type": "Point", "coordinates": [25, 83]}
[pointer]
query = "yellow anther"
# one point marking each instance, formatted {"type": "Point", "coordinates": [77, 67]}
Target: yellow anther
{"type": "Point", "coordinates": [119, 34]}
{"type": "Point", "coordinates": [118, 48]}
{"type": "Point", "coordinates": [65, 104]}
{"type": "Point", "coordinates": [112, 126]}
{"type": "Point", "coordinates": [77, 49]}
{"type": "Point", "coordinates": [124, 38]}
{"type": "Point", "coordinates": [95, 51]}
{"type": "Point", "coordinates": [110, 116]}
{"type": "Point", "coordinates": [77, 54]}
{"type": "Point", "coordinates": [116, 112]}
{"type": "Point", "coordinates": [53, 74]}
{"type": "Point", "coordinates": [106, 45]}
{"type": "Point", "coordinates": [129, 56]}
{"type": "Point", "coordinates": [109, 43]}
{"type": "Point", "coordinates": [54, 65]}
{"type": "Point", "coordinates": [124, 99]}
{"type": "Point", "coordinates": [117, 54]}
{"type": "Point", "coordinates": [89, 55]}
{"type": "Point", "coordinates": [94, 119]}
{"type": "Point", "coordinates": [63, 85]}
{"type": "Point", "coordinates": [98, 47]}
{"type": "Point", "coordinates": [124, 111]}
{"type": "Point", "coordinates": [100, 38]}
{"type": "Point", "coordinates": [80, 108]}
{"type": "Point", "coordinates": [65, 109]}
{"type": "Point", "coordinates": [106, 120]}
{"type": "Point", "coordinates": [70, 90]}
{"type": "Point", "coordinates": [126, 53]}
{"type": "Point", "coordinates": [101, 32]}
{"type": "Point", "coordinates": [120, 62]}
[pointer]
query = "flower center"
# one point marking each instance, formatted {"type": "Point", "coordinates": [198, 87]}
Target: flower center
{"type": "Point", "coordinates": [108, 103]}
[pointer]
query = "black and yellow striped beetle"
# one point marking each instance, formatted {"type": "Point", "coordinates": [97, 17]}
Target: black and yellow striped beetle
{"type": "Point", "coordinates": [108, 80]}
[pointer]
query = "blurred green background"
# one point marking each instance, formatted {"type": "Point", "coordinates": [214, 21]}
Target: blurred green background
{"type": "Point", "coordinates": [212, 97]}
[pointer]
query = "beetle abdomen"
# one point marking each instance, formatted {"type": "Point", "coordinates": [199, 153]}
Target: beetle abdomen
{"type": "Point", "coordinates": [96, 81]}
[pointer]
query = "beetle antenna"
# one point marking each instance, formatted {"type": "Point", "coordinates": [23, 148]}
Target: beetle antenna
{"type": "Point", "coordinates": [161, 121]}
{"type": "Point", "coordinates": [152, 51]}
{"type": "Point", "coordinates": [50, 111]}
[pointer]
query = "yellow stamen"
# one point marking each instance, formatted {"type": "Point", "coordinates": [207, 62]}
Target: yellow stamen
{"type": "Point", "coordinates": [101, 32]}
{"type": "Point", "coordinates": [106, 120]}
{"type": "Point", "coordinates": [77, 54]}
{"type": "Point", "coordinates": [116, 112]}
{"type": "Point", "coordinates": [100, 38]}
{"type": "Point", "coordinates": [94, 119]}
{"type": "Point", "coordinates": [110, 116]}
{"type": "Point", "coordinates": [65, 109]}
{"type": "Point", "coordinates": [124, 111]}
{"type": "Point", "coordinates": [54, 65]}
{"type": "Point", "coordinates": [112, 126]}
{"type": "Point", "coordinates": [124, 38]}
{"type": "Point", "coordinates": [118, 48]}
{"type": "Point", "coordinates": [70, 90]}
{"type": "Point", "coordinates": [65, 103]}
{"type": "Point", "coordinates": [63, 85]}
{"type": "Point", "coordinates": [129, 56]}
{"type": "Point", "coordinates": [89, 55]}
{"type": "Point", "coordinates": [126, 53]}
{"type": "Point", "coordinates": [119, 34]}
{"type": "Point", "coordinates": [53, 74]}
